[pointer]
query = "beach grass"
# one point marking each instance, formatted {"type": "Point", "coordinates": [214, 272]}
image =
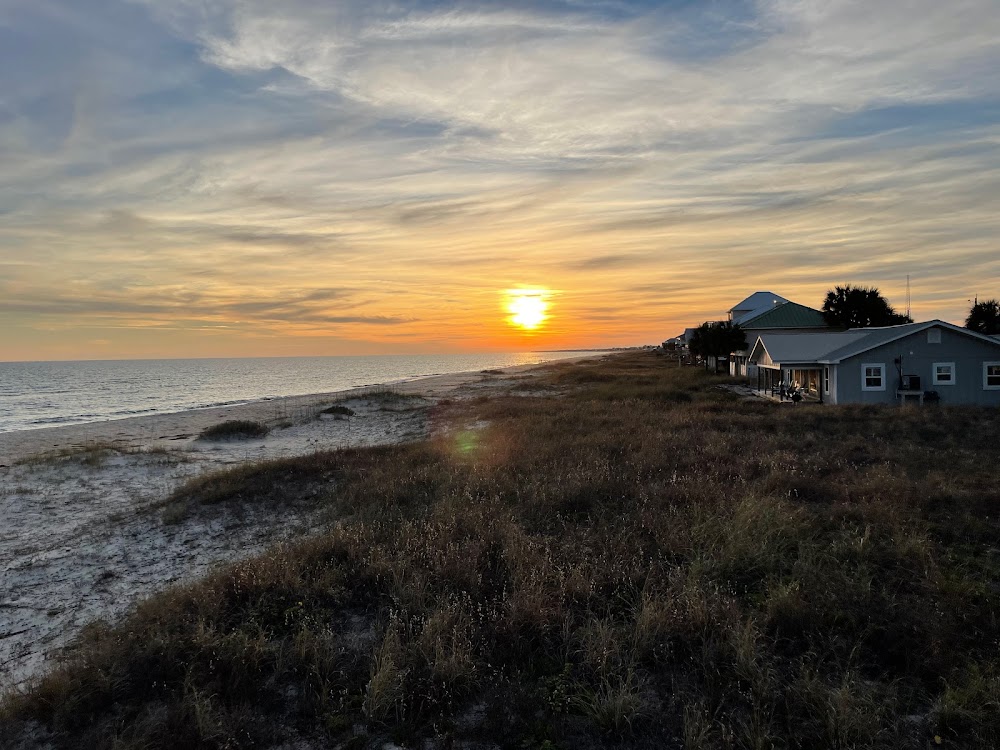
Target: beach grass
{"type": "Point", "coordinates": [338, 410]}
{"type": "Point", "coordinates": [95, 453]}
{"type": "Point", "coordinates": [632, 557]}
{"type": "Point", "coordinates": [386, 396]}
{"type": "Point", "coordinates": [235, 429]}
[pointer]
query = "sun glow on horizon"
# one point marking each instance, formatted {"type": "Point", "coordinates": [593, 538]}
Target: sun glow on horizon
{"type": "Point", "coordinates": [527, 308]}
{"type": "Point", "coordinates": [359, 178]}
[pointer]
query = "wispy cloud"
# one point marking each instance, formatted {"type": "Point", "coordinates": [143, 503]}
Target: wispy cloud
{"type": "Point", "coordinates": [604, 262]}
{"type": "Point", "coordinates": [226, 161]}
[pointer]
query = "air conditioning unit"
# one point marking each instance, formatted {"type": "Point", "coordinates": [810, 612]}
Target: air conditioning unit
{"type": "Point", "coordinates": [909, 383]}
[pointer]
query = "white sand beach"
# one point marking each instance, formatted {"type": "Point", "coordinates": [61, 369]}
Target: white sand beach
{"type": "Point", "coordinates": [82, 535]}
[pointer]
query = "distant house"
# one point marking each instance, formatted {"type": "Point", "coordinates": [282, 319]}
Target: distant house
{"type": "Point", "coordinates": [754, 305]}
{"type": "Point", "coordinates": [677, 342]}
{"type": "Point", "coordinates": [763, 312]}
{"type": "Point", "coordinates": [785, 317]}
{"type": "Point", "coordinates": [916, 361]}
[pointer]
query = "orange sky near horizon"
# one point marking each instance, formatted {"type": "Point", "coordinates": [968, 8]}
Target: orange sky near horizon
{"type": "Point", "coordinates": [287, 178]}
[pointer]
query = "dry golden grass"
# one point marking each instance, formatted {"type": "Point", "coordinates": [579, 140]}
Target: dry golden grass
{"type": "Point", "coordinates": [633, 558]}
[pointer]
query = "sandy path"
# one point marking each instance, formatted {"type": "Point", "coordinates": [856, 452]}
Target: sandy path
{"type": "Point", "coordinates": [80, 537]}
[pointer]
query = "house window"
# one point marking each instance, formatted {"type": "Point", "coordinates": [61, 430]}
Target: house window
{"type": "Point", "coordinates": [991, 376]}
{"type": "Point", "coordinates": [826, 380]}
{"type": "Point", "coordinates": [873, 377]}
{"type": "Point", "coordinates": [943, 373]}
{"type": "Point", "coordinates": [933, 335]}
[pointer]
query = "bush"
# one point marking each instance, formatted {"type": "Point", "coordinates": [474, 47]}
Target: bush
{"type": "Point", "coordinates": [235, 429]}
{"type": "Point", "coordinates": [338, 410]}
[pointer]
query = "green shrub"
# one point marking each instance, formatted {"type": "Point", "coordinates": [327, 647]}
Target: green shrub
{"type": "Point", "coordinates": [338, 410]}
{"type": "Point", "coordinates": [235, 429]}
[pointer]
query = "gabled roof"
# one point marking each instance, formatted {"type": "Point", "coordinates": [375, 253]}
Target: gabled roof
{"type": "Point", "coordinates": [786, 315]}
{"type": "Point", "coordinates": [879, 336]}
{"type": "Point", "coordinates": [832, 347]}
{"type": "Point", "coordinates": [802, 347]}
{"type": "Point", "coordinates": [755, 304]}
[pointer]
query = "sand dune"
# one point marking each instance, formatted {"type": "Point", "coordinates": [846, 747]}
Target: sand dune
{"type": "Point", "coordinates": [82, 534]}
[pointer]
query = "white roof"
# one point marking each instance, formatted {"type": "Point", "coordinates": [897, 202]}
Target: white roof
{"type": "Point", "coordinates": [754, 305]}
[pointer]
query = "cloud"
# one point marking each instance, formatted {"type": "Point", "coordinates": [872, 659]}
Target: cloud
{"type": "Point", "coordinates": [606, 262]}
{"type": "Point", "coordinates": [579, 83]}
{"type": "Point", "coordinates": [156, 306]}
{"type": "Point", "coordinates": [234, 158]}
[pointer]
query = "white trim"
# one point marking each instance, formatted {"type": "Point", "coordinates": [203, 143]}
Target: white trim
{"type": "Point", "coordinates": [753, 350]}
{"type": "Point", "coordinates": [826, 379]}
{"type": "Point", "coordinates": [986, 385]}
{"type": "Point", "coordinates": [934, 373]}
{"type": "Point", "coordinates": [864, 376]}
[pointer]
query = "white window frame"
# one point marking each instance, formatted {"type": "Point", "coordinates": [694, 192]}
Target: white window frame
{"type": "Point", "coordinates": [864, 376]}
{"type": "Point", "coordinates": [986, 369]}
{"type": "Point", "coordinates": [934, 373]}
{"type": "Point", "coordinates": [826, 379]}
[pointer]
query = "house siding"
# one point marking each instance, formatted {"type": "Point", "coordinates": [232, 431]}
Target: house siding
{"type": "Point", "coordinates": [918, 358]}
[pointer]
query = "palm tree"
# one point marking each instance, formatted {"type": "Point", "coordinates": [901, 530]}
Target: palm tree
{"type": "Point", "coordinates": [860, 307]}
{"type": "Point", "coordinates": [984, 317]}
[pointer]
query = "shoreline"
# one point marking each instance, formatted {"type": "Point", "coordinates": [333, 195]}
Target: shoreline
{"type": "Point", "coordinates": [137, 430]}
{"type": "Point", "coordinates": [198, 389]}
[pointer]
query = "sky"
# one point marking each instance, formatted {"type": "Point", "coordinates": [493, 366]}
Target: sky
{"type": "Point", "coordinates": [187, 178]}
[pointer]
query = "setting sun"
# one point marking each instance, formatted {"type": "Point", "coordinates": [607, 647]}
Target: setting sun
{"type": "Point", "coordinates": [527, 308]}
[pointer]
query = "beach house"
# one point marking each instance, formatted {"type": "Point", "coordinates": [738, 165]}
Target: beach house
{"type": "Point", "coordinates": [933, 361]}
{"type": "Point", "coordinates": [779, 317]}
{"type": "Point", "coordinates": [762, 312]}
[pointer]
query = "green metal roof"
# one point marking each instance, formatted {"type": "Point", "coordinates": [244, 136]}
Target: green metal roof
{"type": "Point", "coordinates": [788, 315]}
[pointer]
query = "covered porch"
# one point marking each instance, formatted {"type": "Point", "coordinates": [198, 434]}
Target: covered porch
{"type": "Point", "coordinates": [807, 380]}
{"type": "Point", "coordinates": [776, 376]}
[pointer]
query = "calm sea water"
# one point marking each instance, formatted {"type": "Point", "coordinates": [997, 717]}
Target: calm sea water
{"type": "Point", "coordinates": [46, 394]}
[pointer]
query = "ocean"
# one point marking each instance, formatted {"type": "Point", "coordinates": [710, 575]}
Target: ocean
{"type": "Point", "coordinates": [34, 395]}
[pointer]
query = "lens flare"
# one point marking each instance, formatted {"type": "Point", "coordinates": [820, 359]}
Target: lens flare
{"type": "Point", "coordinates": [527, 308]}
